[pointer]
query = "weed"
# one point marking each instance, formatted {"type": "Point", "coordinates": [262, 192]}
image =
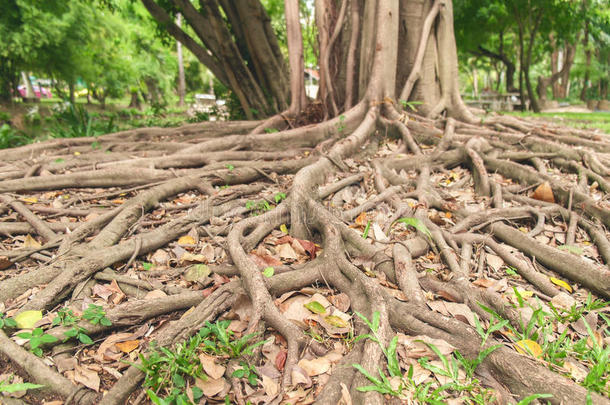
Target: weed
{"type": "Point", "coordinates": [10, 137]}
{"type": "Point", "coordinates": [365, 234]}
{"type": "Point", "coordinates": [36, 338]}
{"type": "Point", "coordinates": [7, 387]}
{"type": "Point", "coordinates": [170, 371]}
{"type": "Point", "coordinates": [230, 167]}
{"type": "Point", "coordinates": [6, 322]}
{"type": "Point", "coordinates": [410, 104]}
{"type": "Point", "coordinates": [417, 224]}
{"type": "Point", "coordinates": [396, 383]}
{"type": "Point", "coordinates": [248, 372]}
{"type": "Point", "coordinates": [271, 130]}
{"type": "Point", "coordinates": [341, 124]}
{"type": "Point", "coordinates": [80, 334]}
{"type": "Point", "coordinates": [259, 207]}
{"type": "Point", "coordinates": [279, 197]}
{"type": "Point", "coordinates": [95, 314]}
{"type": "Point", "coordinates": [221, 341]}
{"type": "Point", "coordinates": [64, 317]}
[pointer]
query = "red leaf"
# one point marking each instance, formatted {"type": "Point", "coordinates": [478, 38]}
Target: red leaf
{"type": "Point", "coordinates": [309, 247]}
{"type": "Point", "coordinates": [284, 239]}
{"type": "Point", "coordinates": [280, 360]}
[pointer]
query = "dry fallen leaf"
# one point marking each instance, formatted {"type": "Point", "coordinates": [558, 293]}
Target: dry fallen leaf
{"type": "Point", "coordinates": [5, 263]}
{"type": "Point", "coordinates": [544, 192]}
{"type": "Point", "coordinates": [127, 346]}
{"type": "Point", "coordinates": [299, 376]}
{"type": "Point", "coordinates": [271, 386]}
{"type": "Point", "coordinates": [563, 301]}
{"type": "Point", "coordinates": [361, 220]}
{"type": "Point", "coordinates": [84, 375]}
{"type": "Point", "coordinates": [315, 367]}
{"type": "Point", "coordinates": [495, 262]}
{"type": "Point", "coordinates": [30, 242]}
{"type": "Point", "coordinates": [210, 367]}
{"type": "Point", "coordinates": [155, 294]}
{"type": "Point", "coordinates": [285, 251]}
{"type": "Point", "coordinates": [160, 257]}
{"type": "Point", "coordinates": [186, 240]}
{"type": "Point", "coordinates": [210, 387]}
{"type": "Point", "coordinates": [527, 346]}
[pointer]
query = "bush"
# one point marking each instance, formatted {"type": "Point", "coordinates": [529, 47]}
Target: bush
{"type": "Point", "coordinates": [74, 121]}
{"type": "Point", "coordinates": [10, 137]}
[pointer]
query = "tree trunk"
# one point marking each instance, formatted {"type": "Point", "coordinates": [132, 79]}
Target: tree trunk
{"type": "Point", "coordinates": [29, 89]}
{"type": "Point", "coordinates": [251, 65]}
{"type": "Point", "coordinates": [585, 44]}
{"type": "Point", "coordinates": [181, 81]}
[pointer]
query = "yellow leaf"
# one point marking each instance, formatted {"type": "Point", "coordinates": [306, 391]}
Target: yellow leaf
{"type": "Point", "coordinates": [561, 283]}
{"type": "Point", "coordinates": [127, 346]}
{"type": "Point", "coordinates": [76, 153]}
{"type": "Point", "coordinates": [30, 242]}
{"type": "Point", "coordinates": [283, 228]}
{"type": "Point", "coordinates": [30, 200]}
{"type": "Point", "coordinates": [527, 346]}
{"type": "Point", "coordinates": [27, 319]}
{"type": "Point", "coordinates": [187, 240]}
{"type": "Point", "coordinates": [336, 321]}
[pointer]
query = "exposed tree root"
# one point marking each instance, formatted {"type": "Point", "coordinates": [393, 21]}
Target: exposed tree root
{"type": "Point", "coordinates": [492, 213]}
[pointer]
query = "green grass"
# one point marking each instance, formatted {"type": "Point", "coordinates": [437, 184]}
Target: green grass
{"type": "Point", "coordinates": [593, 120]}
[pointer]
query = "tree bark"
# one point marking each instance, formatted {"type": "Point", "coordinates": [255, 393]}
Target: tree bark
{"type": "Point", "coordinates": [181, 81]}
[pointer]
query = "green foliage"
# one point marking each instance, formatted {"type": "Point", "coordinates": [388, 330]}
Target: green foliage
{"type": "Point", "coordinates": [65, 317]}
{"type": "Point", "coordinates": [341, 124]}
{"type": "Point", "coordinates": [170, 370]}
{"type": "Point", "coordinates": [268, 272]}
{"type": "Point", "coordinates": [365, 234]}
{"type": "Point", "coordinates": [80, 334]}
{"type": "Point", "coordinates": [72, 121]}
{"type": "Point", "coordinates": [6, 322]}
{"type": "Point", "coordinates": [219, 340]}
{"type": "Point", "coordinates": [258, 207]}
{"type": "Point", "coordinates": [410, 104]}
{"type": "Point", "coordinates": [95, 314]}
{"type": "Point", "coordinates": [7, 387]}
{"type": "Point", "coordinates": [9, 137]}
{"type": "Point", "coordinates": [248, 372]}
{"type": "Point", "coordinates": [555, 350]}
{"type": "Point", "coordinates": [279, 197]}
{"type": "Point", "coordinates": [417, 224]}
{"type": "Point", "coordinates": [423, 392]}
{"type": "Point", "coordinates": [36, 338]}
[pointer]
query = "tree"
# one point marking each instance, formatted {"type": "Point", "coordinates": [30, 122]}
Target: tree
{"type": "Point", "coordinates": [399, 55]}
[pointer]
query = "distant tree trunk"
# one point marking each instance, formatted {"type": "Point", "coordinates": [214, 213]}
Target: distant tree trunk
{"type": "Point", "coordinates": [560, 90]}
{"type": "Point", "coordinates": [71, 92]}
{"type": "Point", "coordinates": [525, 56]}
{"type": "Point", "coordinates": [181, 81]}
{"type": "Point", "coordinates": [134, 102]}
{"type": "Point", "coordinates": [29, 89]}
{"type": "Point", "coordinates": [236, 42]}
{"type": "Point", "coordinates": [585, 44]}
{"type": "Point", "coordinates": [508, 64]}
